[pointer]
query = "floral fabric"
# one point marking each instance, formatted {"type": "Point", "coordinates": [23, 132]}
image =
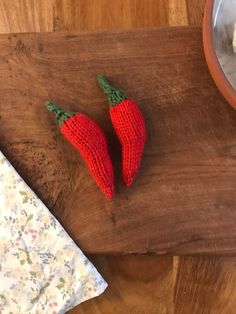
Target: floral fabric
{"type": "Point", "coordinates": [41, 268]}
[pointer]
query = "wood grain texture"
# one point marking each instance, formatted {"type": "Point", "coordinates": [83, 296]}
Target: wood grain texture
{"type": "Point", "coordinates": [206, 285]}
{"type": "Point", "coordinates": [195, 11]}
{"type": "Point", "coordinates": [74, 15]}
{"type": "Point", "coordinates": [92, 14]}
{"type": "Point", "coordinates": [183, 200]}
{"type": "Point", "coordinates": [177, 13]}
{"type": "Point", "coordinates": [137, 285]}
{"type": "Point", "coordinates": [26, 16]}
{"type": "Point", "coordinates": [106, 14]}
{"type": "Point", "coordinates": [158, 285]}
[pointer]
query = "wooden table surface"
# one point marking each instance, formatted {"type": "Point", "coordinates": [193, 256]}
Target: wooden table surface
{"type": "Point", "coordinates": [183, 200]}
{"type": "Point", "coordinates": [137, 284]}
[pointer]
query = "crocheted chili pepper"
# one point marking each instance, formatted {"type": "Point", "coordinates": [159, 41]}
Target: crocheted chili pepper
{"type": "Point", "coordinates": [85, 135]}
{"type": "Point", "coordinates": [129, 125]}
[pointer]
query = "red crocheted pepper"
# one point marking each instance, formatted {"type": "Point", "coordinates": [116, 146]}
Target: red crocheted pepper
{"type": "Point", "coordinates": [88, 138]}
{"type": "Point", "coordinates": [129, 126]}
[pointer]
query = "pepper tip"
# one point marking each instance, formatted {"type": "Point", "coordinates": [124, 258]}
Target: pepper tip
{"type": "Point", "coordinates": [53, 107]}
{"type": "Point", "coordinates": [128, 182]}
{"type": "Point", "coordinates": [102, 79]}
{"type": "Point", "coordinates": [101, 76]}
{"type": "Point", "coordinates": [109, 193]}
{"type": "Point", "coordinates": [47, 103]}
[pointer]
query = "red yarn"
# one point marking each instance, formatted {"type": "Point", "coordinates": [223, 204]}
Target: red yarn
{"type": "Point", "coordinates": [129, 125]}
{"type": "Point", "coordinates": [90, 141]}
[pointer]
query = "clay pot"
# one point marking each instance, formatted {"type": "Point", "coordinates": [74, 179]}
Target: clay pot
{"type": "Point", "coordinates": [215, 68]}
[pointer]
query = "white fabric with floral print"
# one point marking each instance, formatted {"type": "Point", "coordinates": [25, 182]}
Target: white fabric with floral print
{"type": "Point", "coordinates": [41, 268]}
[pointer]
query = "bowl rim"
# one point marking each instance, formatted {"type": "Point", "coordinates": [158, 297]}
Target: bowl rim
{"type": "Point", "coordinates": [211, 58]}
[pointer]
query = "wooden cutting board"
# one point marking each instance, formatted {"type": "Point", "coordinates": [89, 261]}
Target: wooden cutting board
{"type": "Point", "coordinates": [184, 199]}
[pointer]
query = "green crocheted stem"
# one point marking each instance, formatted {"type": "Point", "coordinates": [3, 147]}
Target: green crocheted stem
{"type": "Point", "coordinates": [61, 115]}
{"type": "Point", "coordinates": [114, 95]}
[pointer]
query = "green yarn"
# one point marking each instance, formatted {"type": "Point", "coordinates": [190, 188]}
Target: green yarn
{"type": "Point", "coordinates": [61, 115]}
{"type": "Point", "coordinates": [114, 95]}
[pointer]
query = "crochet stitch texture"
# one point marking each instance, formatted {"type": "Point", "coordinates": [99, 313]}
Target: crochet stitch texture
{"type": "Point", "coordinates": [129, 126]}
{"type": "Point", "coordinates": [88, 138]}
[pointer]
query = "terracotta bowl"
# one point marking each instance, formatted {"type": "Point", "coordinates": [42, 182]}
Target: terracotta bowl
{"type": "Point", "coordinates": [218, 26]}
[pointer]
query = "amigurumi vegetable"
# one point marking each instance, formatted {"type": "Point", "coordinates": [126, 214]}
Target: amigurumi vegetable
{"type": "Point", "coordinates": [129, 126]}
{"type": "Point", "coordinates": [88, 138]}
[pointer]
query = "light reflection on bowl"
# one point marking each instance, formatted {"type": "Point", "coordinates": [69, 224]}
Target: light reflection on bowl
{"type": "Point", "coordinates": [218, 25]}
{"type": "Point", "coordinates": [224, 18]}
